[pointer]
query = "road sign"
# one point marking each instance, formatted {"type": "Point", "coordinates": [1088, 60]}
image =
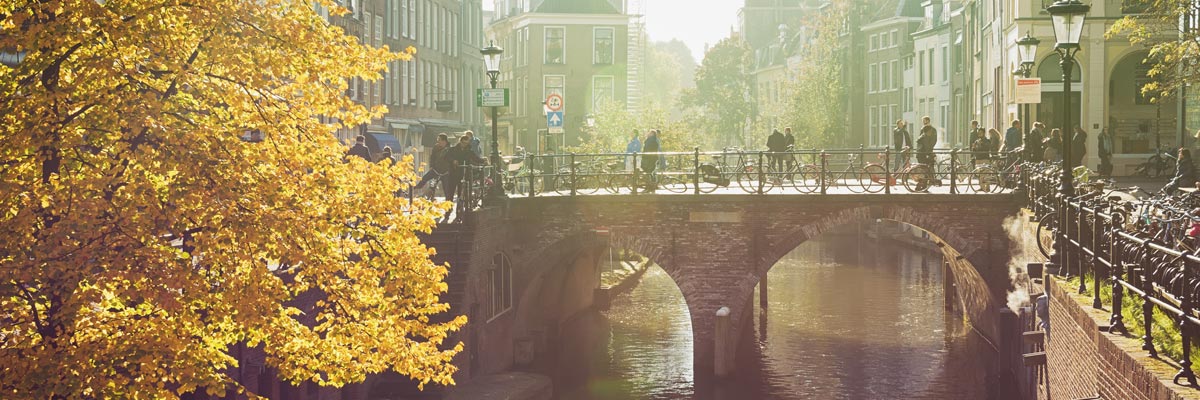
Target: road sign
{"type": "Point", "coordinates": [554, 102]}
{"type": "Point", "coordinates": [554, 121]}
{"type": "Point", "coordinates": [491, 97]}
{"type": "Point", "coordinates": [1028, 91]}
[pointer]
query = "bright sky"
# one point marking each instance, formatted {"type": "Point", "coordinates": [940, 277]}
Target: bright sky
{"type": "Point", "coordinates": [695, 22]}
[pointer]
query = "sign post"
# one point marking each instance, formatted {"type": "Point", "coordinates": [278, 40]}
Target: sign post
{"type": "Point", "coordinates": [554, 113]}
{"type": "Point", "coordinates": [1028, 91]}
{"type": "Point", "coordinates": [491, 97]}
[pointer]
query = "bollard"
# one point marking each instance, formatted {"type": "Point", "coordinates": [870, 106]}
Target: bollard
{"type": "Point", "coordinates": [887, 170]}
{"type": "Point", "coordinates": [722, 360]}
{"type": "Point", "coordinates": [696, 169]}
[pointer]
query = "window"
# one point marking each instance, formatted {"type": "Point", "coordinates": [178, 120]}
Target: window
{"type": "Point", "coordinates": [378, 39]}
{"type": "Point", "coordinates": [412, 19]}
{"type": "Point", "coordinates": [945, 64]}
{"type": "Point", "coordinates": [403, 91]}
{"type": "Point", "coordinates": [874, 42]}
{"type": "Point", "coordinates": [871, 78]}
{"type": "Point", "coordinates": [885, 82]}
{"type": "Point", "coordinates": [921, 67]}
{"type": "Point", "coordinates": [894, 41]}
{"type": "Point", "coordinates": [602, 46]}
{"type": "Point", "coordinates": [931, 51]}
{"type": "Point", "coordinates": [555, 46]}
{"type": "Point", "coordinates": [500, 286]}
{"type": "Point", "coordinates": [553, 84]}
{"type": "Point", "coordinates": [871, 118]}
{"type": "Point", "coordinates": [410, 93]}
{"type": "Point", "coordinates": [602, 91]}
{"type": "Point", "coordinates": [895, 71]}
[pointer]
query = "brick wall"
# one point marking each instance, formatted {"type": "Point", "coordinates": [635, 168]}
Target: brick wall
{"type": "Point", "coordinates": [1084, 362]}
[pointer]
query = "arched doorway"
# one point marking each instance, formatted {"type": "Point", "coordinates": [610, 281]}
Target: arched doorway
{"type": "Point", "coordinates": [1136, 123]}
{"type": "Point", "coordinates": [1051, 110]}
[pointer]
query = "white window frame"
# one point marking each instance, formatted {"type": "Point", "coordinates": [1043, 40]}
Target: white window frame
{"type": "Point", "coordinates": [612, 90]}
{"type": "Point", "coordinates": [546, 45]}
{"type": "Point", "coordinates": [612, 51]}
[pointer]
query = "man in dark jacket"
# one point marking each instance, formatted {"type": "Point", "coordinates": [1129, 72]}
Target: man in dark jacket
{"type": "Point", "coordinates": [925, 144]}
{"type": "Point", "coordinates": [439, 164]}
{"type": "Point", "coordinates": [776, 143]}
{"type": "Point", "coordinates": [360, 149]}
{"type": "Point", "coordinates": [1012, 137]}
{"type": "Point", "coordinates": [1033, 143]}
{"type": "Point", "coordinates": [1185, 172]}
{"type": "Point", "coordinates": [1078, 147]}
{"type": "Point", "coordinates": [901, 140]}
{"type": "Point", "coordinates": [789, 144]}
{"type": "Point", "coordinates": [649, 160]}
{"type": "Point", "coordinates": [459, 156]}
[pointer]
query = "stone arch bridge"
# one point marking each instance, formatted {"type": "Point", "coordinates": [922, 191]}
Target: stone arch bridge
{"type": "Point", "coordinates": [715, 247]}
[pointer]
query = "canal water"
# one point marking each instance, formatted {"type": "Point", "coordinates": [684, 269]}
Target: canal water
{"type": "Point", "coordinates": [848, 318]}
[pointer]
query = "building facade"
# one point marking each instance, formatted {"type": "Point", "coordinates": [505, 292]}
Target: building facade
{"type": "Point", "coordinates": [579, 50]}
{"type": "Point", "coordinates": [432, 93]}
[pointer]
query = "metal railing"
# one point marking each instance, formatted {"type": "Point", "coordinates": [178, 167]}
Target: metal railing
{"type": "Point", "coordinates": [1100, 244]}
{"type": "Point", "coordinates": [760, 172]}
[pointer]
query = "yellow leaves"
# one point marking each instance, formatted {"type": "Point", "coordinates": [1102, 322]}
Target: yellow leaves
{"type": "Point", "coordinates": [146, 118]}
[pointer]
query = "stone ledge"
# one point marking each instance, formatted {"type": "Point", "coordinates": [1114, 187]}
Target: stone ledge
{"type": "Point", "coordinates": [1144, 375]}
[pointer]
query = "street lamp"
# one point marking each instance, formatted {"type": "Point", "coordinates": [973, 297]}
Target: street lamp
{"type": "Point", "coordinates": [1027, 53]}
{"type": "Point", "coordinates": [1067, 16]}
{"type": "Point", "coordinates": [491, 63]}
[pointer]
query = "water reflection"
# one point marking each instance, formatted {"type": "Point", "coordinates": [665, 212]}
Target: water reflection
{"type": "Point", "coordinates": [847, 319]}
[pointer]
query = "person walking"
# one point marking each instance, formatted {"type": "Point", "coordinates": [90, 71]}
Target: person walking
{"type": "Point", "coordinates": [1012, 139]}
{"type": "Point", "coordinates": [386, 157]}
{"type": "Point", "coordinates": [1053, 145]}
{"type": "Point", "coordinates": [776, 144]}
{"type": "Point", "coordinates": [789, 144]}
{"type": "Point", "coordinates": [901, 141]}
{"type": "Point", "coordinates": [994, 140]}
{"type": "Point", "coordinates": [980, 149]}
{"type": "Point", "coordinates": [1078, 147]}
{"type": "Point", "coordinates": [1033, 143]}
{"type": "Point", "coordinates": [925, 144]}
{"type": "Point", "coordinates": [650, 161]}
{"type": "Point", "coordinates": [359, 149]}
{"type": "Point", "coordinates": [460, 156]}
{"type": "Point", "coordinates": [1104, 148]}
{"type": "Point", "coordinates": [1185, 172]}
{"type": "Point", "coordinates": [634, 147]}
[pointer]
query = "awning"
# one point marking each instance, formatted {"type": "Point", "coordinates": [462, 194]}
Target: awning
{"type": "Point", "coordinates": [377, 140]}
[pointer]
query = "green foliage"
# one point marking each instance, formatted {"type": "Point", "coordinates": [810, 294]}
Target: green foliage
{"type": "Point", "coordinates": [669, 69]}
{"type": "Point", "coordinates": [1174, 54]}
{"type": "Point", "coordinates": [815, 95]}
{"type": "Point", "coordinates": [720, 103]}
{"type": "Point", "coordinates": [615, 125]}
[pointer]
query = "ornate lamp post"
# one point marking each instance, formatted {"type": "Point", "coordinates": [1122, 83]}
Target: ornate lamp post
{"type": "Point", "coordinates": [1027, 52]}
{"type": "Point", "coordinates": [1067, 16]}
{"type": "Point", "coordinates": [491, 63]}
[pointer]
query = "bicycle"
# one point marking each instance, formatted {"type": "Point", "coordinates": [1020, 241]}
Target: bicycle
{"type": "Point", "coordinates": [915, 177]}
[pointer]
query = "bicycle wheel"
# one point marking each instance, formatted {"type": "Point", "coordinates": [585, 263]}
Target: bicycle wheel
{"type": "Point", "coordinates": [943, 169]}
{"type": "Point", "coordinates": [985, 179]}
{"type": "Point", "coordinates": [873, 178]}
{"type": "Point", "coordinates": [674, 183]}
{"type": "Point", "coordinates": [853, 180]}
{"type": "Point", "coordinates": [1047, 225]}
{"type": "Point", "coordinates": [588, 183]}
{"type": "Point", "coordinates": [619, 182]}
{"type": "Point", "coordinates": [916, 179]}
{"type": "Point", "coordinates": [807, 179]}
{"type": "Point", "coordinates": [748, 179]}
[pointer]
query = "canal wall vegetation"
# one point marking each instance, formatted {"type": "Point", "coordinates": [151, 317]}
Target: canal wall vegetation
{"type": "Point", "coordinates": [1084, 360]}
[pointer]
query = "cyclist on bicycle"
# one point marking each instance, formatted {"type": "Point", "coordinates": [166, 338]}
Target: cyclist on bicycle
{"type": "Point", "coordinates": [439, 164]}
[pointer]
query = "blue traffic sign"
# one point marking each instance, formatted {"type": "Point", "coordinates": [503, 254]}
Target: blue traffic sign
{"type": "Point", "coordinates": [554, 119]}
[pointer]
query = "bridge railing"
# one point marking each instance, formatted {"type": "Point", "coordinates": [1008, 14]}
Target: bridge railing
{"type": "Point", "coordinates": [1099, 242]}
{"type": "Point", "coordinates": [859, 170]}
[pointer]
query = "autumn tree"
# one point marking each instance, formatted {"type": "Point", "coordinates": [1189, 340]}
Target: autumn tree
{"type": "Point", "coordinates": [143, 237]}
{"type": "Point", "coordinates": [721, 98]}
{"type": "Point", "coordinates": [814, 93]}
{"type": "Point", "coordinates": [615, 125]}
{"type": "Point", "coordinates": [1171, 30]}
{"type": "Point", "coordinates": [669, 69]}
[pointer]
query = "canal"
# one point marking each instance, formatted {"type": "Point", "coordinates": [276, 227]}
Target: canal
{"type": "Point", "coordinates": [849, 317]}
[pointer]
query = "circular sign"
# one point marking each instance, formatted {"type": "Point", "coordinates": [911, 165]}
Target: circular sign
{"type": "Point", "coordinates": [554, 102]}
